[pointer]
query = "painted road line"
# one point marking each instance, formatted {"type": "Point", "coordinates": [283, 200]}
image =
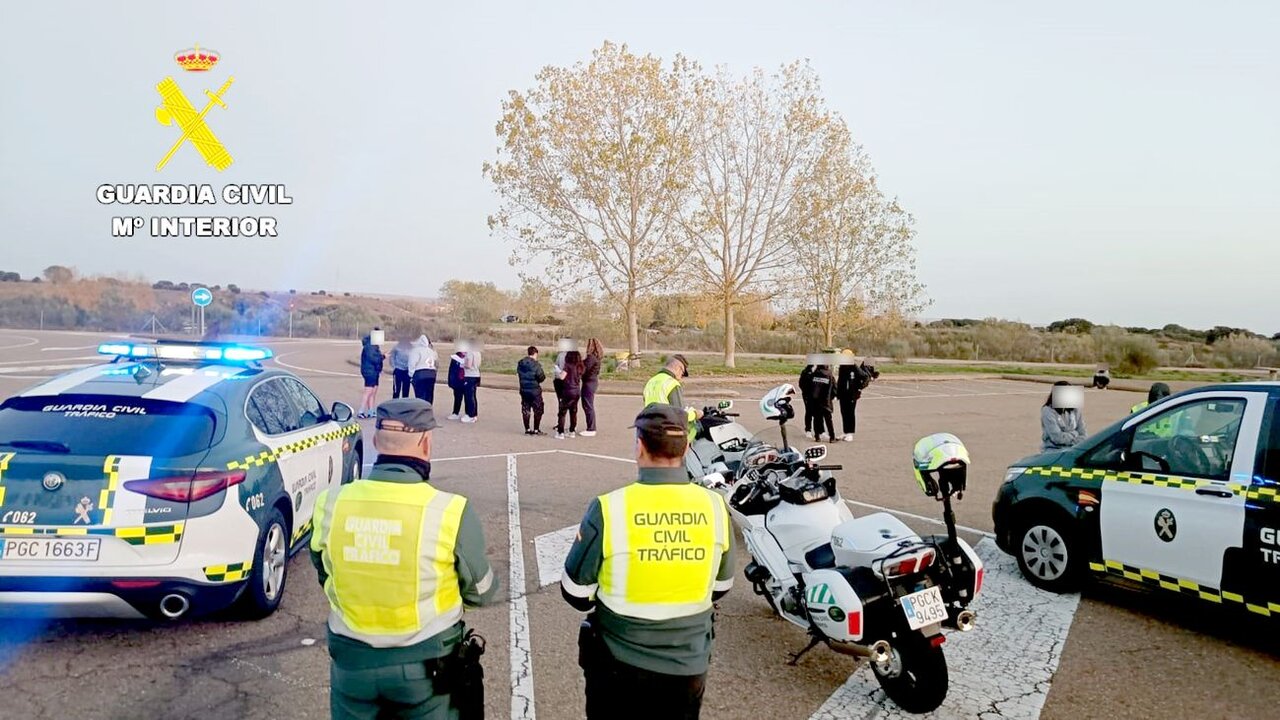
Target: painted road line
{"type": "Point", "coordinates": [56, 360]}
{"type": "Point", "coordinates": [551, 550]}
{"type": "Point", "coordinates": [597, 457]}
{"type": "Point", "coordinates": [80, 347]}
{"type": "Point", "coordinates": [914, 516]}
{"type": "Point", "coordinates": [280, 361]}
{"type": "Point", "coordinates": [29, 341]}
{"type": "Point", "coordinates": [51, 369]}
{"type": "Point", "coordinates": [522, 707]}
{"type": "Point", "coordinates": [1003, 668]}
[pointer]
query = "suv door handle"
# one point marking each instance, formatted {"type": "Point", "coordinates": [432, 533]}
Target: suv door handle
{"type": "Point", "coordinates": [1214, 492]}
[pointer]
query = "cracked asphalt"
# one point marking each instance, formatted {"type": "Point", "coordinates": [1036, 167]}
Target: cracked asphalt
{"type": "Point", "coordinates": [1123, 654]}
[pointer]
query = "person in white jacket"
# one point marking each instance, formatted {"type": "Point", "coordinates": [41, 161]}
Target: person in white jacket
{"type": "Point", "coordinates": [422, 369]}
{"type": "Point", "coordinates": [470, 383]}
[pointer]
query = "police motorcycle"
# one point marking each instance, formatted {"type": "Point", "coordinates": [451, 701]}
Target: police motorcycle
{"type": "Point", "coordinates": [869, 586]}
{"type": "Point", "coordinates": [719, 442]}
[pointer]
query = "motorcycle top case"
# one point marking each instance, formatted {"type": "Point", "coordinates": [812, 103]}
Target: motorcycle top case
{"type": "Point", "coordinates": [833, 605]}
{"type": "Point", "coordinates": [862, 540]}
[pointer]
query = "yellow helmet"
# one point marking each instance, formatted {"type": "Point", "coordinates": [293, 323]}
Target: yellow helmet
{"type": "Point", "coordinates": [941, 464]}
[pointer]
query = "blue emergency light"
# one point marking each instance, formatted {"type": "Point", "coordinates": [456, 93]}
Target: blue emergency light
{"type": "Point", "coordinates": [187, 351]}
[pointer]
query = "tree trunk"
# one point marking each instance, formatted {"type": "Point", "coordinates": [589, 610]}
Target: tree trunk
{"type": "Point", "coordinates": [633, 325]}
{"type": "Point", "coordinates": [730, 338]}
{"type": "Point", "coordinates": [829, 330]}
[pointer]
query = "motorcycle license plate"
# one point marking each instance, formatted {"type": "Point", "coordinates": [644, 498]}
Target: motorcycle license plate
{"type": "Point", "coordinates": [923, 608]}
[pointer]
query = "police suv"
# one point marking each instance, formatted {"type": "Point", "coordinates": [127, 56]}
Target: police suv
{"type": "Point", "coordinates": [176, 479]}
{"type": "Point", "coordinates": [1182, 495]}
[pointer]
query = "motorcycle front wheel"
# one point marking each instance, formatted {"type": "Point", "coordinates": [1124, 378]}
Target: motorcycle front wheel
{"type": "Point", "coordinates": [915, 677]}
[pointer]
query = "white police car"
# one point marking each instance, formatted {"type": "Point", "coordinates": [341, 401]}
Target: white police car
{"type": "Point", "coordinates": [1183, 495]}
{"type": "Point", "coordinates": [174, 480]}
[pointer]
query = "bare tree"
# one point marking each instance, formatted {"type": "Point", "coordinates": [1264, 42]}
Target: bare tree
{"type": "Point", "coordinates": [593, 169]}
{"type": "Point", "coordinates": [854, 246]}
{"type": "Point", "coordinates": [755, 139]}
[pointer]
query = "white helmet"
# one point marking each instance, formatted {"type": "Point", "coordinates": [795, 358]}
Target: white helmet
{"type": "Point", "coordinates": [769, 403]}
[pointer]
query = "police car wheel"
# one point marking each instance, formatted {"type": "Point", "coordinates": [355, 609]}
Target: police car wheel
{"type": "Point", "coordinates": [357, 468]}
{"type": "Point", "coordinates": [1047, 555]}
{"type": "Point", "coordinates": [270, 569]}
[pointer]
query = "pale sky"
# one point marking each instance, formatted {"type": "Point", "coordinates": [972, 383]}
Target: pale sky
{"type": "Point", "coordinates": [1114, 161]}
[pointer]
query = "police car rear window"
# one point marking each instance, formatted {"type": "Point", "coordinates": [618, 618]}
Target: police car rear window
{"type": "Point", "coordinates": [105, 425]}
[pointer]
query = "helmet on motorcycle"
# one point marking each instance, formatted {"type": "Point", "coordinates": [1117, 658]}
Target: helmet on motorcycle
{"type": "Point", "coordinates": [777, 403]}
{"type": "Point", "coordinates": [941, 462]}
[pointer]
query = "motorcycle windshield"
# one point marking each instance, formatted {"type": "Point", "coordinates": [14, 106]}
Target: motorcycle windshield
{"type": "Point", "coordinates": [768, 445]}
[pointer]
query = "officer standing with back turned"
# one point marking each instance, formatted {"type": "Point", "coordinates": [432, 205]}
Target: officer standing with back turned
{"type": "Point", "coordinates": [665, 388]}
{"type": "Point", "coordinates": [399, 560]}
{"type": "Point", "coordinates": [648, 562]}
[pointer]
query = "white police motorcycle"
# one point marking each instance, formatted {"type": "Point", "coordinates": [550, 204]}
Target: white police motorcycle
{"type": "Point", "coordinates": [869, 586]}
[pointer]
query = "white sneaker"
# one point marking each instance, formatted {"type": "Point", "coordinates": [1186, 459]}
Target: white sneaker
{"type": "Point", "coordinates": [847, 438]}
{"type": "Point", "coordinates": [453, 416]}
{"type": "Point", "coordinates": [468, 419]}
{"type": "Point", "coordinates": [808, 434]}
{"type": "Point", "coordinates": [573, 433]}
{"type": "Point", "coordinates": [559, 436]}
{"type": "Point", "coordinates": [588, 433]}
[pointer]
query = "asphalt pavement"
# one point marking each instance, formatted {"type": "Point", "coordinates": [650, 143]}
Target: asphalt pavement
{"type": "Point", "coordinates": [1111, 652]}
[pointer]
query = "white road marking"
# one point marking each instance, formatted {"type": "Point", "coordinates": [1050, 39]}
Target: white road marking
{"type": "Point", "coordinates": [39, 368]}
{"type": "Point", "coordinates": [59, 385]}
{"type": "Point", "coordinates": [280, 361]}
{"type": "Point", "coordinates": [80, 347]}
{"type": "Point", "coordinates": [551, 549]}
{"type": "Point", "coordinates": [57, 360]}
{"type": "Point", "coordinates": [522, 707]}
{"type": "Point", "coordinates": [29, 342]}
{"type": "Point", "coordinates": [903, 513]}
{"type": "Point", "coordinates": [598, 457]}
{"type": "Point", "coordinates": [1001, 669]}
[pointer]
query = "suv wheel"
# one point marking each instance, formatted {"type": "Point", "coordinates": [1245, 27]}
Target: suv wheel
{"type": "Point", "coordinates": [1047, 555]}
{"type": "Point", "coordinates": [270, 569]}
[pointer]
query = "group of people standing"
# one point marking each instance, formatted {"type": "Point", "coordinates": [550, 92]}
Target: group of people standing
{"type": "Point", "coordinates": [414, 372]}
{"type": "Point", "coordinates": [821, 387]}
{"type": "Point", "coordinates": [575, 379]}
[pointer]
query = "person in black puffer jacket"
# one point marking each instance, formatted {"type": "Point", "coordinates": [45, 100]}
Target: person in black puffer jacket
{"type": "Point", "coordinates": [531, 375]}
{"type": "Point", "coordinates": [370, 369]}
{"type": "Point", "coordinates": [819, 401]}
{"type": "Point", "coordinates": [590, 383]}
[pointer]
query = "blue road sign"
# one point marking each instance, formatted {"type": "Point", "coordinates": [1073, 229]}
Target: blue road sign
{"type": "Point", "coordinates": [201, 296]}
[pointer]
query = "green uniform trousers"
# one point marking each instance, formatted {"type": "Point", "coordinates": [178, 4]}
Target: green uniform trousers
{"type": "Point", "coordinates": [393, 691]}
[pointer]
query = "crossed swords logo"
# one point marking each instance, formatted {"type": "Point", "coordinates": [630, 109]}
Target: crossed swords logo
{"type": "Point", "coordinates": [1166, 525]}
{"type": "Point", "coordinates": [177, 110]}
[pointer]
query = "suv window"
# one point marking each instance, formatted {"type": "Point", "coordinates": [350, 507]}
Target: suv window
{"type": "Point", "coordinates": [1269, 452]}
{"type": "Point", "coordinates": [105, 425]}
{"type": "Point", "coordinates": [270, 408]}
{"type": "Point", "coordinates": [1197, 439]}
{"type": "Point", "coordinates": [310, 411]}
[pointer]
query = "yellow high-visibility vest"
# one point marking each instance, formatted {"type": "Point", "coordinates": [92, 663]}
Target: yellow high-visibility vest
{"type": "Point", "coordinates": [1160, 428]}
{"type": "Point", "coordinates": [388, 550]}
{"type": "Point", "coordinates": [662, 546]}
{"type": "Point", "coordinates": [658, 392]}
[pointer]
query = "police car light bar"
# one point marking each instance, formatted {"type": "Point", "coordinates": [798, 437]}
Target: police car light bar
{"type": "Point", "coordinates": [216, 353]}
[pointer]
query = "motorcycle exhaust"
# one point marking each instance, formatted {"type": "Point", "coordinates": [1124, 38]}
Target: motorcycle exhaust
{"type": "Point", "coordinates": [877, 652]}
{"type": "Point", "coordinates": [965, 621]}
{"type": "Point", "coordinates": [174, 606]}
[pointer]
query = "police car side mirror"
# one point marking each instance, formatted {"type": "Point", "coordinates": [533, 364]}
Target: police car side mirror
{"type": "Point", "coordinates": [341, 412]}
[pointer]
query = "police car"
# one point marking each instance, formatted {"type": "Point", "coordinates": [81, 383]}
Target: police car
{"type": "Point", "coordinates": [176, 479]}
{"type": "Point", "coordinates": [1183, 495]}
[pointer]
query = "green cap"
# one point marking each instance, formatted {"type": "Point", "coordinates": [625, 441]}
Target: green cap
{"type": "Point", "coordinates": [413, 414]}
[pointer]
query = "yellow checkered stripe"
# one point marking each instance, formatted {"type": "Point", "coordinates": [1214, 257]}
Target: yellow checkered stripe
{"type": "Point", "coordinates": [1269, 494]}
{"type": "Point", "coordinates": [228, 573]}
{"type": "Point", "coordinates": [1183, 586]}
{"type": "Point", "coordinates": [140, 535]}
{"type": "Point", "coordinates": [301, 531]}
{"type": "Point", "coordinates": [4, 465]}
{"type": "Point", "coordinates": [270, 456]}
{"type": "Point", "coordinates": [106, 496]}
{"type": "Point", "coordinates": [1133, 478]}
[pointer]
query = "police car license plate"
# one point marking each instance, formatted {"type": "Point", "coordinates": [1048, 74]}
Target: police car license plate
{"type": "Point", "coordinates": [50, 549]}
{"type": "Point", "coordinates": [923, 608]}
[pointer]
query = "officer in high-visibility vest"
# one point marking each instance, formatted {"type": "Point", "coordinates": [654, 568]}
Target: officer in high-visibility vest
{"type": "Point", "coordinates": [648, 562]}
{"type": "Point", "coordinates": [1162, 427]}
{"type": "Point", "coordinates": [664, 388]}
{"type": "Point", "coordinates": [399, 560]}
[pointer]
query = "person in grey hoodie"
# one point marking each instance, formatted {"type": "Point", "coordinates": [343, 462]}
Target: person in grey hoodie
{"type": "Point", "coordinates": [400, 369]}
{"type": "Point", "coordinates": [1061, 426]}
{"type": "Point", "coordinates": [422, 368]}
